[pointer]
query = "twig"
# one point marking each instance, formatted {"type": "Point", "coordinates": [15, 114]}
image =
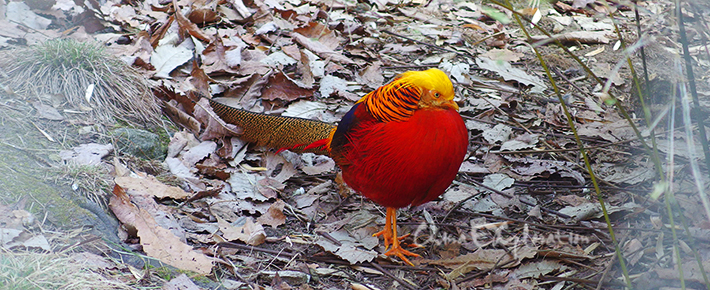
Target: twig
{"type": "Point", "coordinates": [402, 282]}
{"type": "Point", "coordinates": [337, 206]}
{"type": "Point", "coordinates": [43, 132]}
{"type": "Point", "coordinates": [564, 77]}
{"type": "Point", "coordinates": [329, 237]}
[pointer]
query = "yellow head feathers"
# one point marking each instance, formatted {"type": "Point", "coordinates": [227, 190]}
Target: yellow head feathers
{"type": "Point", "coordinates": [431, 79]}
{"type": "Point", "coordinates": [408, 92]}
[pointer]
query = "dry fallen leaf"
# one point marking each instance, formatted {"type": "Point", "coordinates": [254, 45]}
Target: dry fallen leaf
{"type": "Point", "coordinates": [617, 131]}
{"type": "Point", "coordinates": [320, 49]}
{"type": "Point", "coordinates": [510, 73]}
{"type": "Point", "coordinates": [86, 154]}
{"type": "Point", "coordinates": [275, 215]}
{"type": "Point", "coordinates": [521, 142]}
{"type": "Point", "coordinates": [322, 165]}
{"type": "Point", "coordinates": [218, 58]}
{"type": "Point", "coordinates": [169, 55]}
{"type": "Point", "coordinates": [149, 186]}
{"type": "Point", "coordinates": [198, 152]}
{"type": "Point", "coordinates": [187, 27]}
{"type": "Point", "coordinates": [530, 168]}
{"type": "Point", "coordinates": [281, 87]}
{"type": "Point", "coordinates": [19, 12]}
{"type": "Point", "coordinates": [305, 109]}
{"type": "Point", "coordinates": [214, 126]}
{"type": "Point", "coordinates": [47, 112]}
{"type": "Point", "coordinates": [321, 33]}
{"type": "Point", "coordinates": [8, 235]}
{"type": "Point", "coordinates": [498, 134]}
{"type": "Point", "coordinates": [157, 242]}
{"type": "Point", "coordinates": [180, 117]}
{"type": "Point", "coordinates": [538, 268]}
{"type": "Point", "coordinates": [483, 259]}
{"type": "Point", "coordinates": [270, 187]}
{"type": "Point", "coordinates": [91, 261]}
{"type": "Point", "coordinates": [498, 181]}
{"type": "Point", "coordinates": [12, 238]}
{"type": "Point", "coordinates": [330, 85]}
{"type": "Point", "coordinates": [351, 249]}
{"type": "Point", "coordinates": [243, 229]}
{"type": "Point", "coordinates": [277, 163]}
{"type": "Point", "coordinates": [181, 282]}
{"type": "Point", "coordinates": [372, 75]}
{"type": "Point", "coordinates": [691, 271]}
{"type": "Point", "coordinates": [244, 186]}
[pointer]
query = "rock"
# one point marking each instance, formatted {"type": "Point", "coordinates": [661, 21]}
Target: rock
{"type": "Point", "coordinates": [140, 143]}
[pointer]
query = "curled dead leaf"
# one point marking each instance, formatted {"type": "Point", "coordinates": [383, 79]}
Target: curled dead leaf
{"type": "Point", "coordinates": [214, 125]}
{"type": "Point", "coordinates": [157, 242]}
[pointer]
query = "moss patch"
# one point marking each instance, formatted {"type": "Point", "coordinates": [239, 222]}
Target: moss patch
{"type": "Point", "coordinates": [25, 172]}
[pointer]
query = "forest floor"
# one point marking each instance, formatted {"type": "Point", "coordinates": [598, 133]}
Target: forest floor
{"type": "Point", "coordinates": [523, 213]}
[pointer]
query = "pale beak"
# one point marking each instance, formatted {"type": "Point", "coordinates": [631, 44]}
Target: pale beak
{"type": "Point", "coordinates": [450, 104]}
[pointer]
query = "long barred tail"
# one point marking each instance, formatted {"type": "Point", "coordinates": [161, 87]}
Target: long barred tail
{"type": "Point", "coordinates": [295, 134]}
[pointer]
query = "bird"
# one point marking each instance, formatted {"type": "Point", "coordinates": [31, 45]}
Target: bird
{"type": "Point", "coordinates": [400, 145]}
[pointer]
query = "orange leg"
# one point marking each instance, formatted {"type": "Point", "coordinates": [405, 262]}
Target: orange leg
{"type": "Point", "coordinates": [389, 234]}
{"type": "Point", "coordinates": [386, 233]}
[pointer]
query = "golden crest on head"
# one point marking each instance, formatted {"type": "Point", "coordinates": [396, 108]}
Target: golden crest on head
{"type": "Point", "coordinates": [432, 79]}
{"type": "Point", "coordinates": [437, 91]}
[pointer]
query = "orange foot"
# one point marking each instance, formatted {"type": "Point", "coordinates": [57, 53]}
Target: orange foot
{"type": "Point", "coordinates": [389, 233]}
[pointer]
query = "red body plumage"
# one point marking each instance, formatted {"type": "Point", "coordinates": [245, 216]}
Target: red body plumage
{"type": "Point", "coordinates": [401, 145]}
{"type": "Point", "coordinates": [397, 164]}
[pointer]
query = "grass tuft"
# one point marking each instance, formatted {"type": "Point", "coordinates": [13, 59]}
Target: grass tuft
{"type": "Point", "coordinates": [51, 271]}
{"type": "Point", "coordinates": [69, 68]}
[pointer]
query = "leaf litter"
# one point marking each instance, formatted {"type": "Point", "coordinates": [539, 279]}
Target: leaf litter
{"type": "Point", "coordinates": [313, 59]}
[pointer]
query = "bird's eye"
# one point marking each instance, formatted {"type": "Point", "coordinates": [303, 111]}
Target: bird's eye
{"type": "Point", "coordinates": [437, 95]}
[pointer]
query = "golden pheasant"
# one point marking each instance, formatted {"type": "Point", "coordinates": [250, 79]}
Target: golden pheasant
{"type": "Point", "coordinates": [400, 145]}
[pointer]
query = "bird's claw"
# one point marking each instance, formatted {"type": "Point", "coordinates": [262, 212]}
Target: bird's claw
{"type": "Point", "coordinates": [386, 236]}
{"type": "Point", "coordinates": [398, 251]}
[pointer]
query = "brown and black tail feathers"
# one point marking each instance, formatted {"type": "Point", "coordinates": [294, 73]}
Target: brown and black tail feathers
{"type": "Point", "coordinates": [295, 134]}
